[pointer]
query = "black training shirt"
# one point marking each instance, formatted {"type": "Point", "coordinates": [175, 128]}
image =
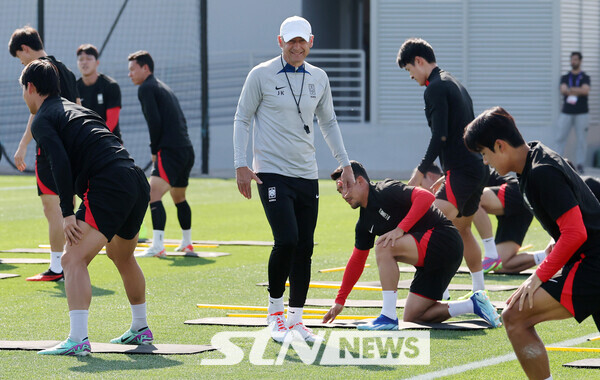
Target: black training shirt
{"type": "Point", "coordinates": [104, 94]}
{"type": "Point", "coordinates": [551, 187]}
{"type": "Point", "coordinates": [572, 80]}
{"type": "Point", "coordinates": [68, 86]}
{"type": "Point", "coordinates": [78, 145]}
{"type": "Point", "coordinates": [448, 108]}
{"type": "Point", "coordinates": [593, 183]}
{"type": "Point", "coordinates": [163, 114]}
{"type": "Point", "coordinates": [388, 203]}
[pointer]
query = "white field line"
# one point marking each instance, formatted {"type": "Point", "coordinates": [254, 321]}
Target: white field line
{"type": "Point", "coordinates": [494, 360]}
{"type": "Point", "coordinates": [17, 188]}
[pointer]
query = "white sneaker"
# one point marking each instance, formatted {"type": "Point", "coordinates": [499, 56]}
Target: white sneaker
{"type": "Point", "coordinates": [187, 248]}
{"type": "Point", "coordinates": [304, 332]}
{"type": "Point", "coordinates": [153, 252]}
{"type": "Point", "coordinates": [276, 322]}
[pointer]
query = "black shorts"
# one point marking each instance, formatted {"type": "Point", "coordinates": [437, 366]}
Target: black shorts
{"type": "Point", "coordinates": [577, 288]}
{"type": "Point", "coordinates": [43, 175]}
{"type": "Point", "coordinates": [513, 225]}
{"type": "Point", "coordinates": [440, 255]}
{"type": "Point", "coordinates": [174, 165]}
{"type": "Point", "coordinates": [116, 201]}
{"type": "Point", "coordinates": [463, 189]}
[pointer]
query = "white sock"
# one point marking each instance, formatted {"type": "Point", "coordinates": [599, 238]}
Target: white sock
{"type": "Point", "coordinates": [460, 307]}
{"type": "Point", "coordinates": [294, 315]}
{"type": "Point", "coordinates": [79, 325]}
{"type": "Point", "coordinates": [55, 262]}
{"type": "Point", "coordinates": [275, 305]}
{"type": "Point", "coordinates": [489, 246]}
{"type": "Point", "coordinates": [477, 278]}
{"type": "Point", "coordinates": [389, 303]}
{"type": "Point", "coordinates": [158, 239]}
{"type": "Point", "coordinates": [446, 295]}
{"type": "Point", "coordinates": [186, 237]}
{"type": "Point", "coordinates": [539, 256]}
{"type": "Point", "coordinates": [138, 317]}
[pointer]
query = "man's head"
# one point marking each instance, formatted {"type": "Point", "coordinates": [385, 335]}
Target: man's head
{"type": "Point", "coordinates": [432, 174]}
{"type": "Point", "coordinates": [576, 58]}
{"type": "Point", "coordinates": [25, 44]}
{"type": "Point", "coordinates": [359, 193]}
{"type": "Point", "coordinates": [87, 59]}
{"type": "Point", "coordinates": [493, 133]}
{"type": "Point", "coordinates": [295, 40]}
{"type": "Point", "coordinates": [141, 66]}
{"type": "Point", "coordinates": [417, 57]}
{"type": "Point", "coordinates": [39, 80]}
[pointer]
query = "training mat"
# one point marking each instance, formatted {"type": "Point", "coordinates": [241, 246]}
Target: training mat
{"type": "Point", "coordinates": [26, 250]}
{"type": "Point", "coordinates": [526, 272]}
{"type": "Point", "coordinates": [198, 254]}
{"type": "Point", "coordinates": [472, 324]}
{"type": "Point", "coordinates": [7, 275]}
{"type": "Point", "coordinates": [24, 261]}
{"type": "Point", "coordinates": [105, 348]}
{"type": "Point", "coordinates": [220, 242]}
{"type": "Point", "coordinates": [373, 303]}
{"type": "Point", "coordinates": [584, 363]}
{"type": "Point", "coordinates": [405, 284]}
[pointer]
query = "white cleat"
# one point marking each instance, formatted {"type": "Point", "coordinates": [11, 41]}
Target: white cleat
{"type": "Point", "coordinates": [187, 248]}
{"type": "Point", "coordinates": [276, 322]}
{"type": "Point", "coordinates": [153, 252]}
{"type": "Point", "coordinates": [304, 332]}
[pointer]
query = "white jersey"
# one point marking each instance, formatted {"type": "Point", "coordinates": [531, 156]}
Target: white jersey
{"type": "Point", "coordinates": [281, 144]}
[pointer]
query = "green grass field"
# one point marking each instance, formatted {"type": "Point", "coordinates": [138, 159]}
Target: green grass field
{"type": "Point", "coordinates": [38, 311]}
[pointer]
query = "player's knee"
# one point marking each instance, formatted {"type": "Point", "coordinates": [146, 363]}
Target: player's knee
{"type": "Point", "coordinates": [383, 253]}
{"type": "Point", "coordinates": [511, 318]}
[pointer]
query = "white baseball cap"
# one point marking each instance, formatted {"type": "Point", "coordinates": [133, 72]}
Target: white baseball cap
{"type": "Point", "coordinates": [293, 27]}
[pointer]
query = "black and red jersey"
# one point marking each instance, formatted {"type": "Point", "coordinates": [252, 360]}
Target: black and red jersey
{"type": "Point", "coordinates": [103, 95]}
{"type": "Point", "coordinates": [78, 145]}
{"type": "Point", "coordinates": [448, 108]}
{"type": "Point", "coordinates": [388, 204]}
{"type": "Point", "coordinates": [166, 122]}
{"type": "Point", "coordinates": [68, 83]}
{"type": "Point", "coordinates": [551, 188]}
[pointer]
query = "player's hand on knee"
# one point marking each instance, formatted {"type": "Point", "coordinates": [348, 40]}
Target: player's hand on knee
{"type": "Point", "coordinates": [390, 237]}
{"type": "Point", "coordinates": [335, 310]}
{"type": "Point", "coordinates": [436, 186]}
{"type": "Point", "coordinates": [526, 290]}
{"type": "Point", "coordinates": [73, 233]}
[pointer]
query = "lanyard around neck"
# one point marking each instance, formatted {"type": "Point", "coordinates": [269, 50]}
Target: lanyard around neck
{"type": "Point", "coordinates": [306, 128]}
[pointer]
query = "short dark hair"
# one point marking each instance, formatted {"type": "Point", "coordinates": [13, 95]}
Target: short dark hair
{"type": "Point", "coordinates": [357, 168]}
{"type": "Point", "coordinates": [25, 36]}
{"type": "Point", "coordinates": [142, 57]}
{"type": "Point", "coordinates": [44, 76]}
{"type": "Point", "coordinates": [88, 49]}
{"type": "Point", "coordinates": [433, 168]}
{"type": "Point", "coordinates": [577, 53]}
{"type": "Point", "coordinates": [491, 125]}
{"type": "Point", "coordinates": [412, 48]}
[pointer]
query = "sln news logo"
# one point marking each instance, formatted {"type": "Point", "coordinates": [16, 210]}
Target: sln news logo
{"type": "Point", "coordinates": [345, 347]}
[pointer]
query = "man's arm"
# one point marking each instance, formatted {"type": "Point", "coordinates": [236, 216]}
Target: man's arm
{"type": "Point", "coordinates": [152, 116]}
{"type": "Point", "coordinates": [112, 100]}
{"type": "Point", "coordinates": [21, 152]}
{"type": "Point", "coordinates": [584, 90]}
{"type": "Point", "coordinates": [248, 103]}
{"type": "Point", "coordinates": [436, 105]}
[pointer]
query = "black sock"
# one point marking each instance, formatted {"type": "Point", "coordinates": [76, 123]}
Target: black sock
{"type": "Point", "coordinates": [184, 214]}
{"type": "Point", "coordinates": [159, 216]}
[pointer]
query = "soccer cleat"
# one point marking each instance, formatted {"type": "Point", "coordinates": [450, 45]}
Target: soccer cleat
{"type": "Point", "coordinates": [141, 337]}
{"type": "Point", "coordinates": [484, 308]}
{"type": "Point", "coordinates": [380, 323]}
{"type": "Point", "coordinates": [47, 276]}
{"type": "Point", "coordinates": [304, 332]}
{"type": "Point", "coordinates": [188, 248]}
{"type": "Point", "coordinates": [276, 322]}
{"type": "Point", "coordinates": [490, 264]}
{"type": "Point", "coordinates": [153, 252]}
{"type": "Point", "coordinates": [69, 347]}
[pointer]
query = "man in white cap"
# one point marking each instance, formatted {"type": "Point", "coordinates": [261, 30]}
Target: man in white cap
{"type": "Point", "coordinates": [283, 95]}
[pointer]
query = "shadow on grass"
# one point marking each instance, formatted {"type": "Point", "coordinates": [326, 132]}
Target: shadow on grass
{"type": "Point", "coordinates": [59, 291]}
{"type": "Point", "coordinates": [6, 267]}
{"type": "Point", "coordinates": [95, 364]}
{"type": "Point", "coordinates": [188, 261]}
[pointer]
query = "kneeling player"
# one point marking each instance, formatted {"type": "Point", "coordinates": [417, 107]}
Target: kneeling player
{"type": "Point", "coordinates": [411, 231]}
{"type": "Point", "coordinates": [569, 212]}
{"type": "Point", "coordinates": [88, 159]}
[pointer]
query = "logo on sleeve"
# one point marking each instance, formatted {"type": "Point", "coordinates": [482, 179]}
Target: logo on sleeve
{"type": "Point", "coordinates": [384, 214]}
{"type": "Point", "coordinates": [272, 194]}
